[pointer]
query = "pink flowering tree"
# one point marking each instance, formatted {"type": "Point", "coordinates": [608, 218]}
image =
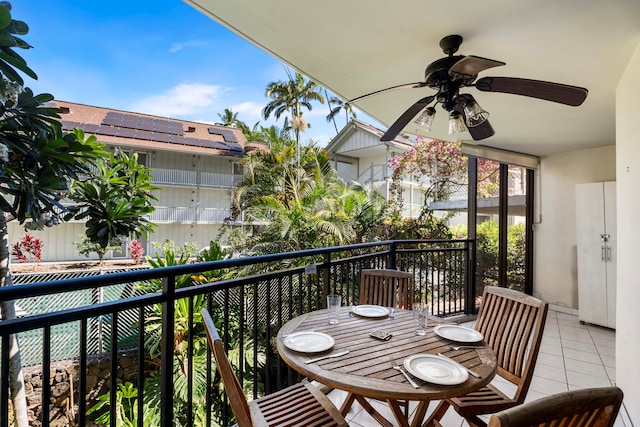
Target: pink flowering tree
{"type": "Point", "coordinates": [440, 168]}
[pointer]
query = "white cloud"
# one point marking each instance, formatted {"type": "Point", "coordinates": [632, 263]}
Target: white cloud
{"type": "Point", "coordinates": [181, 100]}
{"type": "Point", "coordinates": [176, 47]}
{"type": "Point", "coordinates": [249, 110]}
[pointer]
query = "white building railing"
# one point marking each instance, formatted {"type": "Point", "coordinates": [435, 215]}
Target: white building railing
{"type": "Point", "coordinates": [204, 179]}
{"type": "Point", "coordinates": [190, 215]}
{"type": "Point", "coordinates": [174, 176]}
{"type": "Point", "coordinates": [220, 180]}
{"type": "Point", "coordinates": [166, 214]}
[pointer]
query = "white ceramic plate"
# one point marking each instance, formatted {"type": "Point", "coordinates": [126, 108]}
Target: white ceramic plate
{"type": "Point", "coordinates": [436, 369]}
{"type": "Point", "coordinates": [370, 311]}
{"type": "Point", "coordinates": [309, 342]}
{"type": "Point", "coordinates": [458, 333]}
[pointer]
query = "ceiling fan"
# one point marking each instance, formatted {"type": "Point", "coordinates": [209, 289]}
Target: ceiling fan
{"type": "Point", "coordinates": [450, 74]}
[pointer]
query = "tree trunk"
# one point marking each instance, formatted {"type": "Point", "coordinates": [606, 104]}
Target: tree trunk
{"type": "Point", "coordinates": [16, 378]}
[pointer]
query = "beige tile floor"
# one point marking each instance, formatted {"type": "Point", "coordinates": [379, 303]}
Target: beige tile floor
{"type": "Point", "coordinates": [572, 356]}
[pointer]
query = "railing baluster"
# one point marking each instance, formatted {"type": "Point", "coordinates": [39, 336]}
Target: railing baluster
{"type": "Point", "coordinates": [254, 332]}
{"type": "Point", "coordinates": [114, 369]}
{"type": "Point", "coordinates": [4, 381]}
{"type": "Point", "coordinates": [225, 327]}
{"type": "Point", "coordinates": [166, 359]}
{"type": "Point", "coordinates": [209, 368]}
{"type": "Point", "coordinates": [190, 364]}
{"type": "Point", "coordinates": [280, 322]}
{"type": "Point", "coordinates": [46, 376]}
{"type": "Point", "coordinates": [140, 377]}
{"type": "Point", "coordinates": [82, 389]}
{"type": "Point", "coordinates": [267, 322]}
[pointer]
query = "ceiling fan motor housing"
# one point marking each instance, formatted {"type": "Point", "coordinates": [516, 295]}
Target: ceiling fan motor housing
{"type": "Point", "coordinates": [437, 73]}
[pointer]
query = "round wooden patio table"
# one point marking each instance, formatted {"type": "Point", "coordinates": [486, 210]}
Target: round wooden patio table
{"type": "Point", "coordinates": [366, 370]}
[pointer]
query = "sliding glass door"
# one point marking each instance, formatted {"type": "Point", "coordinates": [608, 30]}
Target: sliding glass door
{"type": "Point", "coordinates": [500, 219]}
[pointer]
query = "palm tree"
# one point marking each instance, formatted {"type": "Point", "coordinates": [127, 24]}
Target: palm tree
{"type": "Point", "coordinates": [289, 98]}
{"type": "Point", "coordinates": [230, 119]}
{"type": "Point", "coordinates": [340, 106]}
{"type": "Point", "coordinates": [298, 204]}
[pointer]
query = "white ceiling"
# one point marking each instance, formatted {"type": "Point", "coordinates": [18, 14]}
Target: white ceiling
{"type": "Point", "coordinates": [353, 47]}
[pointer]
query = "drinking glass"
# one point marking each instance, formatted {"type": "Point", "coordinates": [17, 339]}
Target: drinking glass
{"type": "Point", "coordinates": [333, 307]}
{"type": "Point", "coordinates": [420, 315]}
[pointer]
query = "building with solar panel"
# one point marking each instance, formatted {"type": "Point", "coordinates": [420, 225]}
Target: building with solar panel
{"type": "Point", "coordinates": [195, 165]}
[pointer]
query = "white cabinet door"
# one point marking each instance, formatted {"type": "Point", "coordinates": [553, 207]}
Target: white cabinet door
{"type": "Point", "coordinates": [592, 273]}
{"type": "Point", "coordinates": [611, 231]}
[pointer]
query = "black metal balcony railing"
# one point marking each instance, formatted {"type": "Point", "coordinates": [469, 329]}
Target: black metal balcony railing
{"type": "Point", "coordinates": [264, 293]}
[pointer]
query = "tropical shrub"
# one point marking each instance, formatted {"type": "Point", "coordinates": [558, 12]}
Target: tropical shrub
{"type": "Point", "coordinates": [86, 247]}
{"type": "Point", "coordinates": [190, 346]}
{"type": "Point", "coordinates": [136, 250]}
{"type": "Point", "coordinates": [28, 249]}
{"type": "Point", "coordinates": [487, 254]}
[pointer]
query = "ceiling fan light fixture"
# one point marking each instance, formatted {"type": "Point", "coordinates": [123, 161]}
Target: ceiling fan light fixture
{"type": "Point", "coordinates": [425, 119]}
{"type": "Point", "coordinates": [475, 114]}
{"type": "Point", "coordinates": [456, 123]}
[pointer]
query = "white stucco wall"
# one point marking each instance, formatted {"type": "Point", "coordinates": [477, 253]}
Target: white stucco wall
{"type": "Point", "coordinates": [556, 277]}
{"type": "Point", "coordinates": [628, 207]}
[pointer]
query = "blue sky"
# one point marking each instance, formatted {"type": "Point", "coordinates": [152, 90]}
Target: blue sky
{"type": "Point", "coordinates": [160, 57]}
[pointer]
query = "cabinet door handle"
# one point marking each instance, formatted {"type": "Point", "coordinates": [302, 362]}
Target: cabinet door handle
{"type": "Point", "coordinates": [608, 253]}
{"type": "Point", "coordinates": [602, 253]}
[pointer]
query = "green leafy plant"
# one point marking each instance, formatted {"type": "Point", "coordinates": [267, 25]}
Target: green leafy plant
{"type": "Point", "coordinates": [86, 247]}
{"type": "Point", "coordinates": [169, 247]}
{"type": "Point", "coordinates": [126, 408]}
{"type": "Point", "coordinates": [487, 254]}
{"type": "Point", "coordinates": [116, 201]}
{"type": "Point", "coordinates": [186, 332]}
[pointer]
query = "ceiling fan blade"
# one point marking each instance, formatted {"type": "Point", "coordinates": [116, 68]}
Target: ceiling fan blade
{"type": "Point", "coordinates": [549, 91]}
{"type": "Point", "coordinates": [405, 118]}
{"type": "Point", "coordinates": [482, 131]}
{"type": "Point", "coordinates": [469, 67]}
{"type": "Point", "coordinates": [402, 86]}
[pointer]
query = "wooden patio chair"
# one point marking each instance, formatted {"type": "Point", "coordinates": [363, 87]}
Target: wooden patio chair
{"type": "Point", "coordinates": [590, 407]}
{"type": "Point", "coordinates": [387, 288]}
{"type": "Point", "coordinates": [512, 324]}
{"type": "Point", "coordinates": [296, 406]}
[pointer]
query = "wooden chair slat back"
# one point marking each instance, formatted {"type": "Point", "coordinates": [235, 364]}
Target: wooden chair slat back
{"type": "Point", "coordinates": [232, 387]}
{"type": "Point", "coordinates": [387, 288]}
{"type": "Point", "coordinates": [591, 407]}
{"type": "Point", "coordinates": [512, 324]}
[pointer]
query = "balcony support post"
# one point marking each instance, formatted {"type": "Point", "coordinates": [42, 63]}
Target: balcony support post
{"type": "Point", "coordinates": [391, 256]}
{"type": "Point", "coordinates": [472, 218]}
{"type": "Point", "coordinates": [326, 278]}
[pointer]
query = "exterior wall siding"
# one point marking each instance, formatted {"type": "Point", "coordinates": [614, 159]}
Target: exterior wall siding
{"type": "Point", "coordinates": [185, 210]}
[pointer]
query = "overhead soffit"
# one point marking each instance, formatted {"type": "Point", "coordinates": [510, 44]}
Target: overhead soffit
{"type": "Point", "coordinates": [360, 46]}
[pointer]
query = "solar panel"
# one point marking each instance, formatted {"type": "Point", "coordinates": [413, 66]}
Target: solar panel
{"type": "Point", "coordinates": [133, 121]}
{"type": "Point", "coordinates": [162, 137]}
{"type": "Point", "coordinates": [149, 129]}
{"type": "Point", "coordinates": [228, 135]}
{"type": "Point", "coordinates": [108, 130]}
{"type": "Point", "coordinates": [144, 134]}
{"type": "Point", "coordinates": [127, 133]}
{"type": "Point", "coordinates": [235, 147]}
